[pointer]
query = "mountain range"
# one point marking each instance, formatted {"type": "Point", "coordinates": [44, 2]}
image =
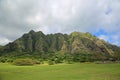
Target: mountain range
{"type": "Point", "coordinates": [37, 44]}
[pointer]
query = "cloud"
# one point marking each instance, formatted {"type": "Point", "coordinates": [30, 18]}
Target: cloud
{"type": "Point", "coordinates": [51, 16]}
{"type": "Point", "coordinates": [4, 40]}
{"type": "Point", "coordinates": [113, 39]}
{"type": "Point", "coordinates": [104, 37]}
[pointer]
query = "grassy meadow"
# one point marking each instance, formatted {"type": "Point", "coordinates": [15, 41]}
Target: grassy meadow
{"type": "Point", "coordinates": [76, 71]}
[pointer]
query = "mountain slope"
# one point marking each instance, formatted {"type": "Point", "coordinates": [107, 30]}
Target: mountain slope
{"type": "Point", "coordinates": [75, 43]}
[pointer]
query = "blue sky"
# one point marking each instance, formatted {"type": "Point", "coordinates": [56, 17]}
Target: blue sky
{"type": "Point", "coordinates": [109, 37]}
{"type": "Point", "coordinates": [99, 17]}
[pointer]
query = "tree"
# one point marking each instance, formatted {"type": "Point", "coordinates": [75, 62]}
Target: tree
{"type": "Point", "coordinates": [69, 58]}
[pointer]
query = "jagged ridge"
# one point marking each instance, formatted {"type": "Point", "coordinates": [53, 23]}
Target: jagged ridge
{"type": "Point", "coordinates": [73, 43]}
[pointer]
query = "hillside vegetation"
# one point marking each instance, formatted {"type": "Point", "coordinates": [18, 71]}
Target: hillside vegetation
{"type": "Point", "coordinates": [77, 46]}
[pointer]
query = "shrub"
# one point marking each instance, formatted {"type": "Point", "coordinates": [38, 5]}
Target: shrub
{"type": "Point", "coordinates": [3, 60]}
{"type": "Point", "coordinates": [69, 59]}
{"type": "Point", "coordinates": [36, 62]}
{"type": "Point", "coordinates": [41, 61]}
{"type": "Point", "coordinates": [24, 62]}
{"type": "Point", "coordinates": [50, 62]}
{"type": "Point", "coordinates": [9, 60]}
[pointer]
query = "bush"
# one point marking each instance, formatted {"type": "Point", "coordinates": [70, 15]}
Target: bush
{"type": "Point", "coordinates": [50, 62]}
{"type": "Point", "coordinates": [41, 61]}
{"type": "Point", "coordinates": [3, 60]}
{"type": "Point", "coordinates": [36, 62]}
{"type": "Point", "coordinates": [69, 59]}
{"type": "Point", "coordinates": [24, 62]}
{"type": "Point", "coordinates": [9, 60]}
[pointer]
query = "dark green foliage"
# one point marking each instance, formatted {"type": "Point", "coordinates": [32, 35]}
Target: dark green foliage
{"type": "Point", "coordinates": [9, 60]}
{"type": "Point", "coordinates": [50, 62]}
{"type": "Point", "coordinates": [41, 61]}
{"type": "Point", "coordinates": [69, 58]}
{"type": "Point", "coordinates": [3, 60]}
{"type": "Point", "coordinates": [83, 57]}
{"type": "Point", "coordinates": [59, 57]}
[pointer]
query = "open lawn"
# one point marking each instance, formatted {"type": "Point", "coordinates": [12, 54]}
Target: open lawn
{"type": "Point", "coordinates": [76, 71]}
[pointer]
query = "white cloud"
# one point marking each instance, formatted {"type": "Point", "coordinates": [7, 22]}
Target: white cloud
{"type": "Point", "coordinates": [51, 16]}
{"type": "Point", "coordinates": [4, 41]}
{"type": "Point", "coordinates": [104, 37]}
{"type": "Point", "coordinates": [116, 43]}
{"type": "Point", "coordinates": [113, 39]}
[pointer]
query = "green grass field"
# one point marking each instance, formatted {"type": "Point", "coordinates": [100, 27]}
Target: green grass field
{"type": "Point", "coordinates": [76, 71]}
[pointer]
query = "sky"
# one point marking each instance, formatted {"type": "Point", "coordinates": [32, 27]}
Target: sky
{"type": "Point", "coordinates": [99, 17]}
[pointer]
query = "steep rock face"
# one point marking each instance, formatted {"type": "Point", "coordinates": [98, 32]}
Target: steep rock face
{"type": "Point", "coordinates": [65, 47]}
{"type": "Point", "coordinates": [86, 42]}
{"type": "Point", "coordinates": [76, 42]}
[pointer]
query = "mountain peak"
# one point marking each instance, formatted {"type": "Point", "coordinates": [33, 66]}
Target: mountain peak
{"type": "Point", "coordinates": [32, 31]}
